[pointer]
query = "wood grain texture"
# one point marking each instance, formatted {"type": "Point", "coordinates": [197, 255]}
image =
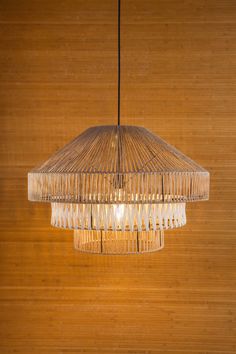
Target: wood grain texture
{"type": "Point", "coordinates": [57, 78]}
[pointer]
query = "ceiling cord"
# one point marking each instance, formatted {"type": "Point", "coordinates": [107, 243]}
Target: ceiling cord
{"type": "Point", "coordinates": [118, 63]}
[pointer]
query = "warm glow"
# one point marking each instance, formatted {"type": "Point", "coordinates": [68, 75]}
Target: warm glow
{"type": "Point", "coordinates": [118, 217]}
{"type": "Point", "coordinates": [119, 211]}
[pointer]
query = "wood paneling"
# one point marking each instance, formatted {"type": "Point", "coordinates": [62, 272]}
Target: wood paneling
{"type": "Point", "coordinates": [58, 77]}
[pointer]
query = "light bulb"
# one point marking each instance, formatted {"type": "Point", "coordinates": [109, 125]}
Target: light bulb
{"type": "Point", "coordinates": [119, 211]}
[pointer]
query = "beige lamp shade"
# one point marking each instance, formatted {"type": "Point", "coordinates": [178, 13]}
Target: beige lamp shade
{"type": "Point", "coordinates": [118, 187]}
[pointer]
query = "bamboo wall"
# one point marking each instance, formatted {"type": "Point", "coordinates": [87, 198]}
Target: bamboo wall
{"type": "Point", "coordinates": [58, 77]}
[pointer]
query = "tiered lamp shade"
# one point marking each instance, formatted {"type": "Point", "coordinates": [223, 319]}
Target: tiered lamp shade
{"type": "Point", "coordinates": [118, 188]}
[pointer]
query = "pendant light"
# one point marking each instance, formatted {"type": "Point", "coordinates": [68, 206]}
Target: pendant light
{"type": "Point", "coordinates": [118, 187]}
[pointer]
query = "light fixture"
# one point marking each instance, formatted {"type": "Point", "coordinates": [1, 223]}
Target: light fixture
{"type": "Point", "coordinates": [118, 187]}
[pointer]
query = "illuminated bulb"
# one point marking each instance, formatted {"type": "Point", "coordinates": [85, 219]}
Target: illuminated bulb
{"type": "Point", "coordinates": [119, 211]}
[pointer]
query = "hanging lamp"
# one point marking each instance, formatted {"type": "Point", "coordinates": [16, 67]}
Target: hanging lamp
{"type": "Point", "coordinates": [118, 187]}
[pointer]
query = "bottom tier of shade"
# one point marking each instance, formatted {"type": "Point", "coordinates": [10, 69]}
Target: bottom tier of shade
{"type": "Point", "coordinates": [118, 242]}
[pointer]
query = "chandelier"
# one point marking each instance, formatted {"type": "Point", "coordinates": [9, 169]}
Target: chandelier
{"type": "Point", "coordinates": [118, 187]}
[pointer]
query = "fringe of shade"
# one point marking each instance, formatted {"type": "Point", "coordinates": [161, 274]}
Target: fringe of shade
{"type": "Point", "coordinates": [100, 188]}
{"type": "Point", "coordinates": [122, 217]}
{"type": "Point", "coordinates": [117, 242]}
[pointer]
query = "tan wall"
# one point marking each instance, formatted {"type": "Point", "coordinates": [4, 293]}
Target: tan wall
{"type": "Point", "coordinates": [58, 77]}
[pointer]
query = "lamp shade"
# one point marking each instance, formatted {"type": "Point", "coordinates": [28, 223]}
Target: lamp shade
{"type": "Point", "coordinates": [118, 187]}
{"type": "Point", "coordinates": [118, 164]}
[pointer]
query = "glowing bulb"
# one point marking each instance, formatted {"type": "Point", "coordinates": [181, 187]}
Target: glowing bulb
{"type": "Point", "coordinates": [119, 211]}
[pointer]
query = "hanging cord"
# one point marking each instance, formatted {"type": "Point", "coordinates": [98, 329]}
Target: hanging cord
{"type": "Point", "coordinates": [118, 62]}
{"type": "Point", "coordinates": [119, 177]}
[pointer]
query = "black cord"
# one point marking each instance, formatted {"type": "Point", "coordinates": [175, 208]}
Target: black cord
{"type": "Point", "coordinates": [118, 177]}
{"type": "Point", "coordinates": [118, 62]}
